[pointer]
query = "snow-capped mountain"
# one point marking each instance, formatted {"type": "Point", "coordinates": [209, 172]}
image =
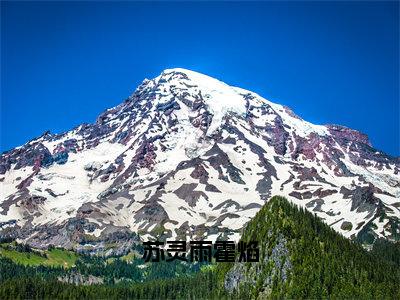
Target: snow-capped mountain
{"type": "Point", "coordinates": [188, 156]}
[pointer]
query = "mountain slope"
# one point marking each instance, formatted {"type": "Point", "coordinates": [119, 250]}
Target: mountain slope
{"type": "Point", "coordinates": [301, 257]}
{"type": "Point", "coordinates": [189, 156]}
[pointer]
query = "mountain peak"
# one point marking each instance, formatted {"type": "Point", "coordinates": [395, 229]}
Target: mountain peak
{"type": "Point", "coordinates": [222, 98]}
{"type": "Point", "coordinates": [190, 73]}
{"type": "Point", "coordinates": [219, 98]}
{"type": "Point", "coordinates": [199, 79]}
{"type": "Point", "coordinates": [189, 154]}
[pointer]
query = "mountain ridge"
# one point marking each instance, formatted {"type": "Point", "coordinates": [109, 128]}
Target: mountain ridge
{"type": "Point", "coordinates": [299, 257]}
{"type": "Point", "coordinates": [187, 155]}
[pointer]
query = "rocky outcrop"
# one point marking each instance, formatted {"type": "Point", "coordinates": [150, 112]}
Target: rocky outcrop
{"type": "Point", "coordinates": [186, 154]}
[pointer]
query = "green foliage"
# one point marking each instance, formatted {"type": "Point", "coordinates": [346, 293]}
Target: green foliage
{"type": "Point", "coordinates": [22, 254]}
{"type": "Point", "coordinates": [201, 286]}
{"type": "Point", "coordinates": [383, 249]}
{"type": "Point", "coordinates": [122, 277]}
{"type": "Point", "coordinates": [322, 262]}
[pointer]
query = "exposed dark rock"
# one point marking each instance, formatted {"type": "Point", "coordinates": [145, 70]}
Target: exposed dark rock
{"type": "Point", "coordinates": [363, 199]}
{"type": "Point", "coordinates": [31, 203]}
{"type": "Point", "coordinates": [226, 204]}
{"type": "Point", "coordinates": [346, 226]}
{"type": "Point", "coordinates": [186, 192]}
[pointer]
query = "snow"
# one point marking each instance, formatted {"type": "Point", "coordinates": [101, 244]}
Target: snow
{"type": "Point", "coordinates": [219, 97]}
{"type": "Point", "coordinates": [11, 179]}
{"type": "Point", "coordinates": [71, 182]}
{"type": "Point", "coordinates": [73, 186]}
{"type": "Point", "coordinates": [301, 127]}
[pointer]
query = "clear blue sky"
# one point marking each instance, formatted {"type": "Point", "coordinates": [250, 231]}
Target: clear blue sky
{"type": "Point", "coordinates": [64, 63]}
